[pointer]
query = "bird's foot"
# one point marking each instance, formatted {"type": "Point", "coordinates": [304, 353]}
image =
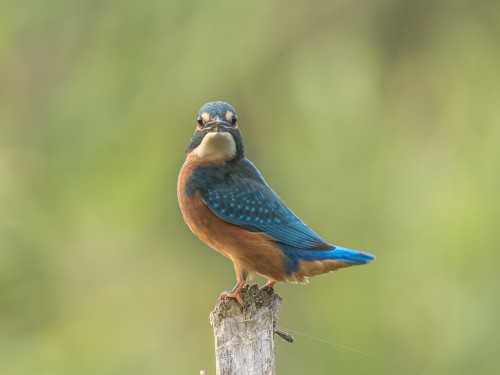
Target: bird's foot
{"type": "Point", "coordinates": [232, 294]}
{"type": "Point", "coordinates": [235, 293]}
{"type": "Point", "coordinates": [269, 284]}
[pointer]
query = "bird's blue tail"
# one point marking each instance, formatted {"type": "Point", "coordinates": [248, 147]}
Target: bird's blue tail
{"type": "Point", "coordinates": [339, 253]}
{"type": "Point", "coordinates": [350, 256]}
{"type": "Point", "coordinates": [345, 257]}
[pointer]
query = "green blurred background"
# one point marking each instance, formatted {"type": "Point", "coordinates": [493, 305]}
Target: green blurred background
{"type": "Point", "coordinates": [378, 122]}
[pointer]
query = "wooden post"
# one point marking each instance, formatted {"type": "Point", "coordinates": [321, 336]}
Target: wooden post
{"type": "Point", "coordinates": [244, 336]}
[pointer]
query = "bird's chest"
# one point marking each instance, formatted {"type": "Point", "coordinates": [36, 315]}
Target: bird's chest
{"type": "Point", "coordinates": [252, 251]}
{"type": "Point", "coordinates": [199, 218]}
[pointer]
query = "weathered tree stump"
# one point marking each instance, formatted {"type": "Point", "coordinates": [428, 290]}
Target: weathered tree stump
{"type": "Point", "coordinates": [244, 336]}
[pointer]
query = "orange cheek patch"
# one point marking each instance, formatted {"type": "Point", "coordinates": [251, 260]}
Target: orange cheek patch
{"type": "Point", "coordinates": [229, 116]}
{"type": "Point", "coordinates": [205, 116]}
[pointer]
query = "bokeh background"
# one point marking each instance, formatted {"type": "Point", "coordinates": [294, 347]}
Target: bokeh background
{"type": "Point", "coordinates": [378, 122]}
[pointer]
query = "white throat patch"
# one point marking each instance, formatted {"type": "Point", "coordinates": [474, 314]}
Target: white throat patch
{"type": "Point", "coordinates": [216, 146]}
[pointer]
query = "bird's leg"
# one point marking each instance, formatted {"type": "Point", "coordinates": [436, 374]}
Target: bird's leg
{"type": "Point", "coordinates": [270, 284]}
{"type": "Point", "coordinates": [241, 277]}
{"type": "Point", "coordinates": [235, 293]}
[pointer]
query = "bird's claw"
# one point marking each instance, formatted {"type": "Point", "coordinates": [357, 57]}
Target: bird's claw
{"type": "Point", "coordinates": [235, 295]}
{"type": "Point", "coordinates": [269, 284]}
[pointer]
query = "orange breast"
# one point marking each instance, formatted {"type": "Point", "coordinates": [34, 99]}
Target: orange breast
{"type": "Point", "coordinates": [249, 251]}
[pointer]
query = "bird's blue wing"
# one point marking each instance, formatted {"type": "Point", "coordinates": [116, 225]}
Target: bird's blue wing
{"type": "Point", "coordinates": [243, 198]}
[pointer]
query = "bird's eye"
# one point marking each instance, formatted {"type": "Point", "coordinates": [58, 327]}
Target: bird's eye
{"type": "Point", "coordinates": [233, 120]}
{"type": "Point", "coordinates": [200, 121]}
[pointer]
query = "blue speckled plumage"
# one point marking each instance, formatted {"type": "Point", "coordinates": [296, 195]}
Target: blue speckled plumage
{"type": "Point", "coordinates": [239, 194]}
{"type": "Point", "coordinates": [232, 188]}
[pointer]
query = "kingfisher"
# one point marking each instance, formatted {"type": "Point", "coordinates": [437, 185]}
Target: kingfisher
{"type": "Point", "coordinates": [228, 204]}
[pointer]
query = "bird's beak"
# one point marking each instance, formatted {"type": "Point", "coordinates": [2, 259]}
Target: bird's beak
{"type": "Point", "coordinates": [217, 124]}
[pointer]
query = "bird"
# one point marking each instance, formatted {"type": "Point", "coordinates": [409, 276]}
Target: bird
{"type": "Point", "coordinates": [227, 203]}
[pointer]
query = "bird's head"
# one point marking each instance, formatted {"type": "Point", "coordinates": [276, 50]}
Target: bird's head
{"type": "Point", "coordinates": [217, 136]}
